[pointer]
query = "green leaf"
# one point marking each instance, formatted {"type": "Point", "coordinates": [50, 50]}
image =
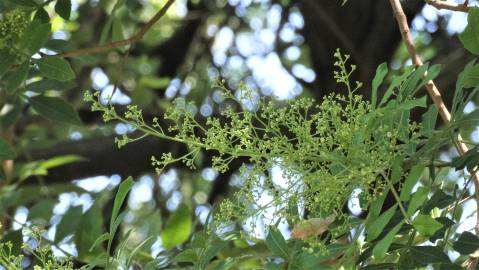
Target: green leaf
{"type": "Point", "coordinates": [35, 37]}
{"type": "Point", "coordinates": [381, 72]}
{"type": "Point", "coordinates": [409, 87]}
{"type": "Point", "coordinates": [212, 250]}
{"type": "Point", "coordinates": [48, 84]}
{"type": "Point", "coordinates": [396, 81]}
{"type": "Point", "coordinates": [108, 25]}
{"type": "Point", "coordinates": [276, 243]}
{"type": "Point", "coordinates": [41, 211]}
{"type": "Point", "coordinates": [439, 200]}
{"type": "Point", "coordinates": [467, 243]}
{"type": "Point", "coordinates": [117, 30]}
{"type": "Point", "coordinates": [150, 81]}
{"type": "Point", "coordinates": [41, 167]}
{"type": "Point", "coordinates": [424, 255]}
{"type": "Point", "coordinates": [446, 223]}
{"type": "Point", "coordinates": [470, 36]}
{"type": "Point", "coordinates": [458, 99]}
{"type": "Point", "coordinates": [69, 223]}
{"type": "Point", "coordinates": [375, 227]}
{"type": "Point", "coordinates": [18, 77]}
{"type": "Point", "coordinates": [102, 238]}
{"type": "Point", "coordinates": [14, 237]}
{"type": "Point", "coordinates": [226, 264]}
{"type": "Point", "coordinates": [432, 72]}
{"type": "Point", "coordinates": [429, 120]}
{"type": "Point", "coordinates": [55, 109]}
{"type": "Point", "coordinates": [382, 246]}
{"type": "Point", "coordinates": [375, 207]}
{"type": "Point", "coordinates": [137, 249]}
{"type": "Point", "coordinates": [115, 223]}
{"type": "Point", "coordinates": [90, 227]}
{"type": "Point", "coordinates": [178, 227]}
{"type": "Point", "coordinates": [413, 103]}
{"type": "Point", "coordinates": [105, 32]}
{"type": "Point", "coordinates": [396, 170]}
{"type": "Point", "coordinates": [42, 15]}
{"type": "Point", "coordinates": [123, 190]}
{"type": "Point", "coordinates": [411, 181]}
{"type": "Point", "coordinates": [405, 260]}
{"type": "Point", "coordinates": [308, 261]}
{"type": "Point", "coordinates": [470, 159]}
{"type": "Point", "coordinates": [198, 240]}
{"type": "Point", "coordinates": [6, 151]}
{"type": "Point", "coordinates": [426, 225]}
{"type": "Point", "coordinates": [56, 68]}
{"type": "Point", "coordinates": [469, 121]}
{"type": "Point", "coordinates": [59, 161]}
{"type": "Point", "coordinates": [187, 255]}
{"type": "Point", "coordinates": [417, 199]}
{"type": "Point", "coordinates": [471, 77]}
{"type": "Point", "coordinates": [63, 8]}
{"type": "Point", "coordinates": [6, 61]}
{"type": "Point", "coordinates": [58, 45]}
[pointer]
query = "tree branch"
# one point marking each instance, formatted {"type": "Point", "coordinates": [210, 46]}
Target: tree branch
{"type": "Point", "coordinates": [434, 94]}
{"type": "Point", "coordinates": [115, 44]}
{"type": "Point", "coordinates": [449, 6]}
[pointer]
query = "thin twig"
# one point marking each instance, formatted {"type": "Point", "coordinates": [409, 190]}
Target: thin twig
{"type": "Point", "coordinates": [115, 44]}
{"type": "Point", "coordinates": [450, 6]}
{"type": "Point", "coordinates": [433, 92]}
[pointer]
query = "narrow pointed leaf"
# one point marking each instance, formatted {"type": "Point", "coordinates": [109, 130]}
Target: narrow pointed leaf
{"type": "Point", "coordinates": [276, 243]}
{"type": "Point", "coordinates": [123, 190]}
{"type": "Point", "coordinates": [382, 246]}
{"type": "Point", "coordinates": [99, 240]}
{"type": "Point", "coordinates": [381, 72]}
{"type": "Point", "coordinates": [426, 225]}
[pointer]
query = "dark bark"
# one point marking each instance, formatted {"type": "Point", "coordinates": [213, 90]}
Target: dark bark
{"type": "Point", "coordinates": [364, 29]}
{"type": "Point", "coordinates": [103, 157]}
{"type": "Point", "coordinates": [174, 51]}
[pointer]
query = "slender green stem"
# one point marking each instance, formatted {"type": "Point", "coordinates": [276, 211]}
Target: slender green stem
{"type": "Point", "coordinates": [398, 199]}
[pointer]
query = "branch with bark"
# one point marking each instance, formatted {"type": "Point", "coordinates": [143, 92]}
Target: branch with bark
{"type": "Point", "coordinates": [115, 44]}
{"type": "Point", "coordinates": [450, 6]}
{"type": "Point", "coordinates": [435, 95]}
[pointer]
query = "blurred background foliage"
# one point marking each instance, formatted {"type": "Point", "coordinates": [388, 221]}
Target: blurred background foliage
{"type": "Point", "coordinates": [67, 170]}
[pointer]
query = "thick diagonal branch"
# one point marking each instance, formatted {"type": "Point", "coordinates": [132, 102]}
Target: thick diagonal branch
{"type": "Point", "coordinates": [431, 88]}
{"type": "Point", "coordinates": [115, 44]}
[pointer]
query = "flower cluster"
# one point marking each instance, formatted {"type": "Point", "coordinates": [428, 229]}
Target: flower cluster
{"type": "Point", "coordinates": [324, 151]}
{"type": "Point", "coordinates": [12, 27]}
